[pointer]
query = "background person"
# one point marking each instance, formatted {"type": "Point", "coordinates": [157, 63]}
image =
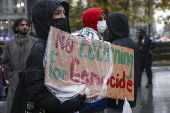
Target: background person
{"type": "Point", "coordinates": [1, 80]}
{"type": "Point", "coordinates": [146, 45]}
{"type": "Point", "coordinates": [119, 35]}
{"type": "Point", "coordinates": [1, 86]}
{"type": "Point", "coordinates": [15, 55]}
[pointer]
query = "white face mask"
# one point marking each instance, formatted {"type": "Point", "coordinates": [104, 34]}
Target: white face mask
{"type": "Point", "coordinates": [101, 26]}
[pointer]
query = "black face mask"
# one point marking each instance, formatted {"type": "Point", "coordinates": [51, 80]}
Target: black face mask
{"type": "Point", "coordinates": [60, 23]}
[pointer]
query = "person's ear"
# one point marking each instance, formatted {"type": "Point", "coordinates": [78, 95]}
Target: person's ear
{"type": "Point", "coordinates": [16, 28]}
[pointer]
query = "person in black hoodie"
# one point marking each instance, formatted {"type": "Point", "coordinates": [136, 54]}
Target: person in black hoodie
{"type": "Point", "coordinates": [46, 13]}
{"type": "Point", "coordinates": [119, 35]}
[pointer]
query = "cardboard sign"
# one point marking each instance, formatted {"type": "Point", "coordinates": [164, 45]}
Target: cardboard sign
{"type": "Point", "coordinates": [121, 81]}
{"type": "Point", "coordinates": [104, 68]}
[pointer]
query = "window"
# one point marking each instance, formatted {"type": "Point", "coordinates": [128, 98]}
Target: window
{"type": "Point", "coordinates": [4, 27]}
{"type": "Point", "coordinates": [23, 10]}
{"type": "Point", "coordinates": [14, 2]}
{"type": "Point", "coordinates": [6, 10]}
{"type": "Point", "coordinates": [1, 10]}
{"type": "Point", "coordinates": [1, 3]}
{"type": "Point", "coordinates": [6, 2]}
{"type": "Point", "coordinates": [1, 6]}
{"type": "Point", "coordinates": [15, 10]}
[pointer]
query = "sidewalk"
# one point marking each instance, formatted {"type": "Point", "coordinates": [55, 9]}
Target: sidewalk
{"type": "Point", "coordinates": [156, 99]}
{"type": "Point", "coordinates": [149, 100]}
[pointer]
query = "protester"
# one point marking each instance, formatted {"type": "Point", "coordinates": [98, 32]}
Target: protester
{"type": "Point", "coordinates": [1, 86]}
{"type": "Point", "coordinates": [1, 50]}
{"type": "Point", "coordinates": [94, 25]}
{"type": "Point", "coordinates": [4, 86]}
{"type": "Point", "coordinates": [146, 46]}
{"type": "Point", "coordinates": [119, 35]}
{"type": "Point", "coordinates": [48, 13]}
{"type": "Point", "coordinates": [15, 55]}
{"type": "Point", "coordinates": [3, 83]}
{"type": "Point", "coordinates": [1, 80]}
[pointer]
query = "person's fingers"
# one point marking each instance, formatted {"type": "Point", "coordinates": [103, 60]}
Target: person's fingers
{"type": "Point", "coordinates": [90, 96]}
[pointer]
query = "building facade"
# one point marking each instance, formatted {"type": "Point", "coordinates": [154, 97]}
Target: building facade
{"type": "Point", "coordinates": [9, 11]}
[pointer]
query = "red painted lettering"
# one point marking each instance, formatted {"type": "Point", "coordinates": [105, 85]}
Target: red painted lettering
{"type": "Point", "coordinates": [111, 80]}
{"type": "Point", "coordinates": [64, 43]}
{"type": "Point", "coordinates": [60, 41]}
{"type": "Point", "coordinates": [73, 62]}
{"type": "Point", "coordinates": [117, 81]}
{"type": "Point", "coordinates": [103, 77]}
{"type": "Point", "coordinates": [85, 77]}
{"type": "Point", "coordinates": [69, 46]}
{"type": "Point", "coordinates": [129, 84]}
{"type": "Point", "coordinates": [85, 74]}
{"type": "Point", "coordinates": [77, 75]}
{"type": "Point", "coordinates": [95, 77]}
{"type": "Point", "coordinates": [120, 83]}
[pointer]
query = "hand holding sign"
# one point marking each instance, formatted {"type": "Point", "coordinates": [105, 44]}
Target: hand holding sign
{"type": "Point", "coordinates": [90, 97]}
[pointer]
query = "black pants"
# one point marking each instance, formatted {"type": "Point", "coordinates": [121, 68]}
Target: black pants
{"type": "Point", "coordinates": [146, 63]}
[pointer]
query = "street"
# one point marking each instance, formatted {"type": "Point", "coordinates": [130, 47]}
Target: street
{"type": "Point", "coordinates": [2, 106]}
{"type": "Point", "coordinates": [156, 99]}
{"type": "Point", "coordinates": [149, 100]}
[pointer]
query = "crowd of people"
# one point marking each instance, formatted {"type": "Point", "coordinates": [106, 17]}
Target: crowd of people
{"type": "Point", "coordinates": [23, 56]}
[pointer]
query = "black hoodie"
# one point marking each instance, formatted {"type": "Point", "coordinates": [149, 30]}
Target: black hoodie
{"type": "Point", "coordinates": [42, 13]}
{"type": "Point", "coordinates": [119, 31]}
{"type": "Point", "coordinates": [42, 19]}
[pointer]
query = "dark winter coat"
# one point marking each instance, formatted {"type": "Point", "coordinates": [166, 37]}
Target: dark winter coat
{"type": "Point", "coordinates": [14, 58]}
{"type": "Point", "coordinates": [146, 44]}
{"type": "Point", "coordinates": [118, 28]}
{"type": "Point", "coordinates": [37, 91]}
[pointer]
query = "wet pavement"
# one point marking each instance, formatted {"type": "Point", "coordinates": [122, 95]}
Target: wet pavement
{"type": "Point", "coordinates": [149, 100]}
{"type": "Point", "coordinates": [156, 99]}
{"type": "Point", "coordinates": [2, 106]}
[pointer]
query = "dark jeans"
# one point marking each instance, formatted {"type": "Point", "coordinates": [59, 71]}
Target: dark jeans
{"type": "Point", "coordinates": [146, 63]}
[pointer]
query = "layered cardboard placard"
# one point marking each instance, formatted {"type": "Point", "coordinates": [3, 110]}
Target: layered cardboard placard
{"type": "Point", "coordinates": [105, 69]}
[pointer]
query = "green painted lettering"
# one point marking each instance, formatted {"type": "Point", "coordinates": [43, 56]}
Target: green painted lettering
{"type": "Point", "coordinates": [117, 56]}
{"type": "Point", "coordinates": [60, 74]}
{"type": "Point", "coordinates": [109, 54]}
{"type": "Point", "coordinates": [102, 48]}
{"type": "Point", "coordinates": [52, 60]}
{"type": "Point", "coordinates": [126, 58]}
{"type": "Point", "coordinates": [121, 59]}
{"type": "Point", "coordinates": [131, 61]}
{"type": "Point", "coordinates": [52, 71]}
{"type": "Point", "coordinates": [81, 53]}
{"type": "Point", "coordinates": [92, 48]}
